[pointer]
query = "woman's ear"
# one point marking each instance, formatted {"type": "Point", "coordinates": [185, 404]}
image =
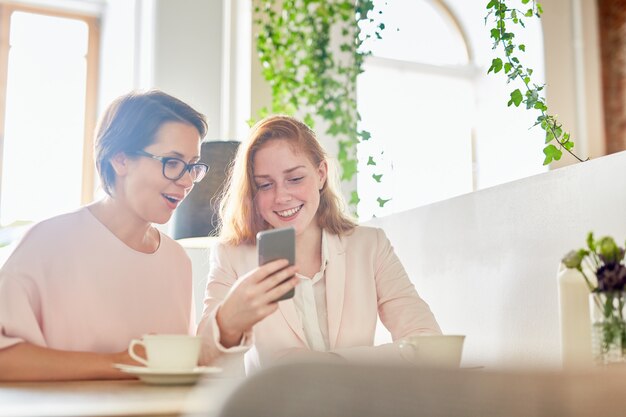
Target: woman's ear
{"type": "Point", "coordinates": [322, 172]}
{"type": "Point", "coordinates": [119, 162]}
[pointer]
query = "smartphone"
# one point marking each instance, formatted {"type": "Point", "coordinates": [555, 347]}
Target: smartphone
{"type": "Point", "coordinates": [277, 244]}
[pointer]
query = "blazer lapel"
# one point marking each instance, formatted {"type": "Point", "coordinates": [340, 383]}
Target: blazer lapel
{"type": "Point", "coordinates": [335, 285]}
{"type": "Point", "coordinates": [289, 312]}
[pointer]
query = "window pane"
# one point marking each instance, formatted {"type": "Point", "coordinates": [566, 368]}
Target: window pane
{"type": "Point", "coordinates": [419, 31]}
{"type": "Point", "coordinates": [422, 124]}
{"type": "Point", "coordinates": [43, 145]}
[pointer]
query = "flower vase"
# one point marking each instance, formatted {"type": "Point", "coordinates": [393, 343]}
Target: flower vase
{"type": "Point", "coordinates": [608, 335]}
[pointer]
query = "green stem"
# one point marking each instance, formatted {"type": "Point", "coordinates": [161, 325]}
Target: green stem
{"type": "Point", "coordinates": [520, 72]}
{"type": "Point", "coordinates": [591, 288]}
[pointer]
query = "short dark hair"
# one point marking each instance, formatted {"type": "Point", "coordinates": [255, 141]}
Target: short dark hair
{"type": "Point", "coordinates": [130, 124]}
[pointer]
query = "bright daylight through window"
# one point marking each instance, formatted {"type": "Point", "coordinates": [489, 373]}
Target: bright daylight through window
{"type": "Point", "coordinates": [435, 116]}
{"type": "Point", "coordinates": [42, 164]}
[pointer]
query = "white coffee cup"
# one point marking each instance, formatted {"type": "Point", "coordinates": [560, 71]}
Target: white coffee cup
{"type": "Point", "coordinates": [168, 351]}
{"type": "Point", "coordinates": [433, 350]}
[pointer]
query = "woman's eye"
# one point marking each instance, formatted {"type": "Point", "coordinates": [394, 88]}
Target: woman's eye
{"type": "Point", "coordinates": [265, 186]}
{"type": "Point", "coordinates": [296, 180]}
{"type": "Point", "coordinates": [172, 163]}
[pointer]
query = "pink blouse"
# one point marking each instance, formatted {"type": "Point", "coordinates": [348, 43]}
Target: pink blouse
{"type": "Point", "coordinates": [72, 285]}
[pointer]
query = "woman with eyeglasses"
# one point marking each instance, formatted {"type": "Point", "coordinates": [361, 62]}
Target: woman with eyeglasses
{"type": "Point", "coordinates": [81, 285]}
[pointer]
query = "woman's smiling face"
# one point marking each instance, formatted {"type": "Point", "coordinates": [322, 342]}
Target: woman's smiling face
{"type": "Point", "coordinates": [287, 185]}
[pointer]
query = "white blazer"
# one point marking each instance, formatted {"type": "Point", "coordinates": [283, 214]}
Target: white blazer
{"type": "Point", "coordinates": [364, 280]}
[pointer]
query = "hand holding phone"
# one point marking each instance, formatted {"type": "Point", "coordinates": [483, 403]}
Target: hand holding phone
{"type": "Point", "coordinates": [277, 244]}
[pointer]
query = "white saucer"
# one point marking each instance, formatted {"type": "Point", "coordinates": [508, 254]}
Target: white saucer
{"type": "Point", "coordinates": [168, 376]}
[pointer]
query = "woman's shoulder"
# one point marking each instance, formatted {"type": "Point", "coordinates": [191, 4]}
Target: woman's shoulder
{"type": "Point", "coordinates": [364, 232]}
{"type": "Point", "coordinates": [364, 241]}
{"type": "Point", "coordinates": [57, 228]}
{"type": "Point", "coordinates": [222, 247]}
{"type": "Point", "coordinates": [243, 255]}
{"type": "Point", "coordinates": [171, 247]}
{"type": "Point", "coordinates": [46, 240]}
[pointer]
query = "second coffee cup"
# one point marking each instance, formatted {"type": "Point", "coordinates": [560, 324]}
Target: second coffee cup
{"type": "Point", "coordinates": [433, 350]}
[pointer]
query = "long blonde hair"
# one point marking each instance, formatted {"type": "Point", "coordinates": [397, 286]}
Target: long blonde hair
{"type": "Point", "coordinates": [240, 221]}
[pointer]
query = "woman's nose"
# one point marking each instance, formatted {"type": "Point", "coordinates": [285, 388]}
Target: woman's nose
{"type": "Point", "coordinates": [186, 180]}
{"type": "Point", "coordinates": [282, 194]}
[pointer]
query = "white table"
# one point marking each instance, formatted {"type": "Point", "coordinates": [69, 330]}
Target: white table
{"type": "Point", "coordinates": [112, 398]}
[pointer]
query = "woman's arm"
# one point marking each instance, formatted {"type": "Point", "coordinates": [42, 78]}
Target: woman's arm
{"type": "Point", "coordinates": [28, 362]}
{"type": "Point", "coordinates": [253, 299]}
{"type": "Point", "coordinates": [233, 304]}
{"type": "Point", "coordinates": [401, 309]}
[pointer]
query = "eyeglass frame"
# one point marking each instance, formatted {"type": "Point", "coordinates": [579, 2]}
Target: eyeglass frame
{"type": "Point", "coordinates": [165, 159]}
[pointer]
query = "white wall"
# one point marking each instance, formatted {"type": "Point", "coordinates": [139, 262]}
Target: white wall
{"type": "Point", "coordinates": [187, 54]}
{"type": "Point", "coordinates": [486, 262]}
{"type": "Point", "coordinates": [574, 90]}
{"type": "Point", "coordinates": [171, 45]}
{"type": "Point", "coordinates": [118, 51]}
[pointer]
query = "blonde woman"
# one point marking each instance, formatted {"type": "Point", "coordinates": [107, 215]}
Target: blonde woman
{"type": "Point", "coordinates": [345, 275]}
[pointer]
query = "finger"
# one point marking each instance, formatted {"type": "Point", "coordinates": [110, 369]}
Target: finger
{"type": "Point", "coordinates": [268, 269]}
{"type": "Point", "coordinates": [268, 309]}
{"type": "Point", "coordinates": [278, 291]}
{"type": "Point", "coordinates": [276, 278]}
{"type": "Point", "coordinates": [253, 293]}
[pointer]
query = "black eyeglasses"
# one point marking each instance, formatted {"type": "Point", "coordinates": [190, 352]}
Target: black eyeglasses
{"type": "Point", "coordinates": [174, 168]}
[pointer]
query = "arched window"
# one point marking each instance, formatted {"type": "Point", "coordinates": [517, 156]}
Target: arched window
{"type": "Point", "coordinates": [439, 124]}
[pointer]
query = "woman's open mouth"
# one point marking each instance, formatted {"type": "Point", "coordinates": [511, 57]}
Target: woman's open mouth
{"type": "Point", "coordinates": [289, 213]}
{"type": "Point", "coordinates": [171, 200]}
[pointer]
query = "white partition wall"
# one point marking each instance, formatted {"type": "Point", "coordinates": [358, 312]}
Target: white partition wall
{"type": "Point", "coordinates": [486, 262]}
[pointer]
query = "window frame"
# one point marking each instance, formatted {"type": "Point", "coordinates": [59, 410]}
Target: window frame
{"type": "Point", "coordinates": [91, 87]}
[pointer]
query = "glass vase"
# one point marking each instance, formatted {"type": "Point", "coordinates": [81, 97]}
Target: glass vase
{"type": "Point", "coordinates": [608, 334]}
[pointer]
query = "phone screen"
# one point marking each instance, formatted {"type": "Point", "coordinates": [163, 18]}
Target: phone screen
{"type": "Point", "coordinates": [277, 244]}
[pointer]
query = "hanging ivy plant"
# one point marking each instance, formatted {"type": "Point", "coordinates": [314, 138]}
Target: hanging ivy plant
{"type": "Point", "coordinates": [310, 76]}
{"type": "Point", "coordinates": [500, 14]}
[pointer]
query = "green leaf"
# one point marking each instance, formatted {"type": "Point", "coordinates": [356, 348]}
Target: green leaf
{"type": "Point", "coordinates": [349, 169]}
{"type": "Point", "coordinates": [495, 34]}
{"type": "Point", "coordinates": [516, 98]}
{"type": "Point", "coordinates": [371, 161]}
{"type": "Point", "coordinates": [591, 243]}
{"type": "Point", "coordinates": [496, 65]}
{"type": "Point", "coordinates": [308, 120]}
{"type": "Point", "coordinates": [522, 47]}
{"type": "Point", "coordinates": [377, 177]}
{"type": "Point", "coordinates": [354, 198]}
{"type": "Point", "coordinates": [552, 153]}
{"type": "Point", "coordinates": [382, 202]}
{"type": "Point", "coordinates": [507, 67]}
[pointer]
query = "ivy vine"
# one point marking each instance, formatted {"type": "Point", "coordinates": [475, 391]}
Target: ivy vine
{"type": "Point", "coordinates": [307, 76]}
{"type": "Point", "coordinates": [501, 14]}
